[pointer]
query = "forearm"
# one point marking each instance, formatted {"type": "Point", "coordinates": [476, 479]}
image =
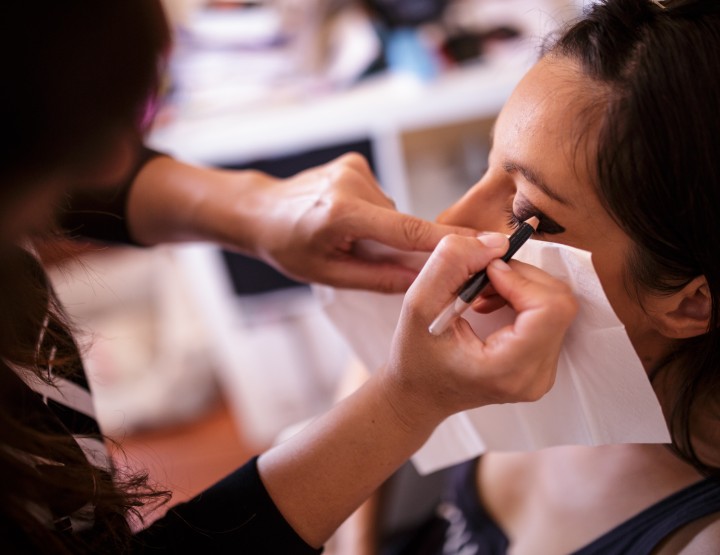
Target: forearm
{"type": "Point", "coordinates": [171, 201]}
{"type": "Point", "coordinates": [307, 226]}
{"type": "Point", "coordinates": [323, 474]}
{"type": "Point", "coordinates": [320, 476]}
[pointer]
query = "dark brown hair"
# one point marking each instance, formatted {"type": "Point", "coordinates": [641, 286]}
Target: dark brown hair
{"type": "Point", "coordinates": [657, 166]}
{"type": "Point", "coordinates": [63, 478]}
{"type": "Point", "coordinates": [76, 74]}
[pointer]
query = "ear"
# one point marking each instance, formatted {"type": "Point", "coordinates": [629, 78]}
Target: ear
{"type": "Point", "coordinates": [683, 314]}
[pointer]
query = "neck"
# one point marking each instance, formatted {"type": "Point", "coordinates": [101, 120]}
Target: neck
{"type": "Point", "coordinates": [704, 430]}
{"type": "Point", "coordinates": [706, 435]}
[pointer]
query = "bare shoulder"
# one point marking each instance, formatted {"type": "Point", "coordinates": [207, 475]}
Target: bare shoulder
{"type": "Point", "coordinates": [701, 537]}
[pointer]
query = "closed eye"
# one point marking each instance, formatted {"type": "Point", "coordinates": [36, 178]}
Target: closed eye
{"type": "Point", "coordinates": [525, 211]}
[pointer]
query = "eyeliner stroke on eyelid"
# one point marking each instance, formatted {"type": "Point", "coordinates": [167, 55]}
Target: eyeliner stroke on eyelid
{"type": "Point", "coordinates": [525, 210]}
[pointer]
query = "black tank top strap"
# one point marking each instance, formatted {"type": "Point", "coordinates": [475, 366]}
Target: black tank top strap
{"type": "Point", "coordinates": [469, 528]}
{"type": "Point", "coordinates": [643, 533]}
{"type": "Point", "coordinates": [462, 526]}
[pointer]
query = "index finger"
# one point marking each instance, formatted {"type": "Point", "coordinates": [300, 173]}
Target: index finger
{"type": "Point", "coordinates": [545, 308]}
{"type": "Point", "coordinates": [455, 259]}
{"type": "Point", "coordinates": [403, 231]}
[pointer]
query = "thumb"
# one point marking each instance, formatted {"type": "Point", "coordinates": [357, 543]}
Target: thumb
{"type": "Point", "coordinates": [540, 300]}
{"type": "Point", "coordinates": [406, 232]}
{"type": "Point", "coordinates": [449, 267]}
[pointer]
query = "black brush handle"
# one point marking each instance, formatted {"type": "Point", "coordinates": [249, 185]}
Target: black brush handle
{"type": "Point", "coordinates": [474, 286]}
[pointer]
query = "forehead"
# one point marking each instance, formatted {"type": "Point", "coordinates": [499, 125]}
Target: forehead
{"type": "Point", "coordinates": [550, 123]}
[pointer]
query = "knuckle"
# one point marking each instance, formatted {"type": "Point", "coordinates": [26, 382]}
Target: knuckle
{"type": "Point", "coordinates": [385, 284]}
{"type": "Point", "coordinates": [354, 160]}
{"type": "Point", "coordinates": [526, 384]}
{"type": "Point", "coordinates": [539, 388]}
{"type": "Point", "coordinates": [513, 387]}
{"type": "Point", "coordinates": [452, 250]}
{"type": "Point", "coordinates": [413, 310]}
{"type": "Point", "coordinates": [523, 393]}
{"type": "Point", "coordinates": [445, 243]}
{"type": "Point", "coordinates": [551, 378]}
{"type": "Point", "coordinates": [534, 393]}
{"type": "Point", "coordinates": [454, 244]}
{"type": "Point", "coordinates": [414, 229]}
{"type": "Point", "coordinates": [521, 283]}
{"type": "Point", "coordinates": [541, 377]}
{"type": "Point", "coordinates": [573, 306]}
{"type": "Point", "coordinates": [338, 175]}
{"type": "Point", "coordinates": [335, 207]}
{"type": "Point", "coordinates": [566, 305]}
{"type": "Point", "coordinates": [522, 389]}
{"type": "Point", "coordinates": [564, 289]}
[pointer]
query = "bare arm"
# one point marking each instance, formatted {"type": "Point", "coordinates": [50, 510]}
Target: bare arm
{"type": "Point", "coordinates": [306, 226]}
{"type": "Point", "coordinates": [319, 477]}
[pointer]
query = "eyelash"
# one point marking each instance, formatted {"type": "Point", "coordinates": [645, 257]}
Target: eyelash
{"type": "Point", "coordinates": [514, 221]}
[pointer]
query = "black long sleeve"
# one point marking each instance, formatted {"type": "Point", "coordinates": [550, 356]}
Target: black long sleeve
{"type": "Point", "coordinates": [236, 515]}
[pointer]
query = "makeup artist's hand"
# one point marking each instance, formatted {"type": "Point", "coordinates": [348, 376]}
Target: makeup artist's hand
{"type": "Point", "coordinates": [307, 226]}
{"type": "Point", "coordinates": [310, 226]}
{"type": "Point", "coordinates": [433, 377]}
{"type": "Point", "coordinates": [322, 474]}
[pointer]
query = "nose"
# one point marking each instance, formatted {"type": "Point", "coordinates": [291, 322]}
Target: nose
{"type": "Point", "coordinates": [484, 207]}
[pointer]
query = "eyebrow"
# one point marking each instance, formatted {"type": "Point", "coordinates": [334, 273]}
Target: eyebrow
{"type": "Point", "coordinates": [535, 179]}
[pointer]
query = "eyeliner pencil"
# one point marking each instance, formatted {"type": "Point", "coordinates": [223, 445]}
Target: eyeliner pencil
{"type": "Point", "coordinates": [475, 285]}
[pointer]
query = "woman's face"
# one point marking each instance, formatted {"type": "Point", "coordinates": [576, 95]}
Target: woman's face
{"type": "Point", "coordinates": [35, 211]}
{"type": "Point", "coordinates": [537, 169]}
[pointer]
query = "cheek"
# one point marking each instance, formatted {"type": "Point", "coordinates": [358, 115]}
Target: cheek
{"type": "Point", "coordinates": [30, 215]}
{"type": "Point", "coordinates": [484, 207]}
{"type": "Point", "coordinates": [609, 265]}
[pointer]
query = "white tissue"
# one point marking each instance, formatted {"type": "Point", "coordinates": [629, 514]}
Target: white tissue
{"type": "Point", "coordinates": [601, 394]}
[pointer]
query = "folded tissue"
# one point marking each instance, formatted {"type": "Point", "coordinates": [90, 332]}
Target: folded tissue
{"type": "Point", "coordinates": [601, 395]}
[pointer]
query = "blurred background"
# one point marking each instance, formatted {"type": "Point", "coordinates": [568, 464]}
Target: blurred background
{"type": "Point", "coordinates": [200, 358]}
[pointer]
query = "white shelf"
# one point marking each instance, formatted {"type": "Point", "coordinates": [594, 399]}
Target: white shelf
{"type": "Point", "coordinates": [381, 105]}
{"type": "Point", "coordinates": [380, 110]}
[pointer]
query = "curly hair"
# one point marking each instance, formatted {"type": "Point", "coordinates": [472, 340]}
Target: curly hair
{"type": "Point", "coordinates": [76, 74]}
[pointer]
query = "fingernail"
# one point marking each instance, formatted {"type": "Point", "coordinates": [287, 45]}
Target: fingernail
{"type": "Point", "coordinates": [493, 240]}
{"type": "Point", "coordinates": [500, 265]}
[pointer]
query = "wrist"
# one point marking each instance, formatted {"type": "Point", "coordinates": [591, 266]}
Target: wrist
{"type": "Point", "coordinates": [232, 210]}
{"type": "Point", "coordinates": [412, 411]}
{"type": "Point", "coordinates": [170, 201]}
